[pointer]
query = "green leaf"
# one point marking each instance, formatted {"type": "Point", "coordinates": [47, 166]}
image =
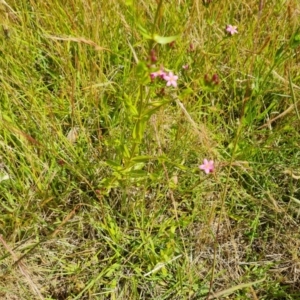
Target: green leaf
{"type": "Point", "coordinates": [295, 40]}
{"type": "Point", "coordinates": [144, 32]}
{"type": "Point", "coordinates": [129, 2]}
{"type": "Point", "coordinates": [112, 163]}
{"type": "Point", "coordinates": [142, 73]}
{"type": "Point", "coordinates": [163, 158]}
{"type": "Point", "coordinates": [138, 173]}
{"type": "Point", "coordinates": [149, 112]}
{"type": "Point", "coordinates": [279, 53]}
{"type": "Point", "coordinates": [131, 109]}
{"type": "Point", "coordinates": [125, 151]}
{"type": "Point", "coordinates": [159, 103]}
{"type": "Point", "coordinates": [136, 131]}
{"type": "Point", "coordinates": [153, 107]}
{"type": "Point", "coordinates": [6, 117]}
{"type": "Point", "coordinates": [142, 158]}
{"type": "Point", "coordinates": [164, 39]}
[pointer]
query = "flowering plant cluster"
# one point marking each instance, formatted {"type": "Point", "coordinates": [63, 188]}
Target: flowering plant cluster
{"type": "Point", "coordinates": [169, 77]}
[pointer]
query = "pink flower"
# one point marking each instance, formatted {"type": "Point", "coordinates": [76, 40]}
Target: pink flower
{"type": "Point", "coordinates": [153, 75]}
{"type": "Point", "coordinates": [171, 79]}
{"type": "Point", "coordinates": [160, 73]}
{"type": "Point", "coordinates": [208, 166]}
{"type": "Point", "coordinates": [185, 67]}
{"type": "Point", "coordinates": [231, 29]}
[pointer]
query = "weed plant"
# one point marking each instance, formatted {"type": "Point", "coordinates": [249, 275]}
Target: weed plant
{"type": "Point", "coordinates": [150, 149]}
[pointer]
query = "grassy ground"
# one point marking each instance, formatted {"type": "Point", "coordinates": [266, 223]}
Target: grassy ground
{"type": "Point", "coordinates": [100, 187]}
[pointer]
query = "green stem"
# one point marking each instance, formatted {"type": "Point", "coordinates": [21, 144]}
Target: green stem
{"type": "Point", "coordinates": [159, 5]}
{"type": "Point", "coordinates": [156, 15]}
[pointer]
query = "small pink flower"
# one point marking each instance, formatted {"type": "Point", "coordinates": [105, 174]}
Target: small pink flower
{"type": "Point", "coordinates": [160, 73]}
{"type": "Point", "coordinates": [231, 29]}
{"type": "Point", "coordinates": [208, 166]}
{"type": "Point", "coordinates": [153, 75]}
{"type": "Point", "coordinates": [171, 79]}
{"type": "Point", "coordinates": [185, 67]}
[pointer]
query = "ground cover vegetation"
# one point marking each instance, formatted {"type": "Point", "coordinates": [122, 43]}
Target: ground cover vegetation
{"type": "Point", "coordinates": [149, 149]}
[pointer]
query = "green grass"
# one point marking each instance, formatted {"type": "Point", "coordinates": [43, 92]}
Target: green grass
{"type": "Point", "coordinates": [101, 196]}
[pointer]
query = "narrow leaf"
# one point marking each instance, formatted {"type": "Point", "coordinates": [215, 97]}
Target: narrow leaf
{"type": "Point", "coordinates": [165, 39]}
